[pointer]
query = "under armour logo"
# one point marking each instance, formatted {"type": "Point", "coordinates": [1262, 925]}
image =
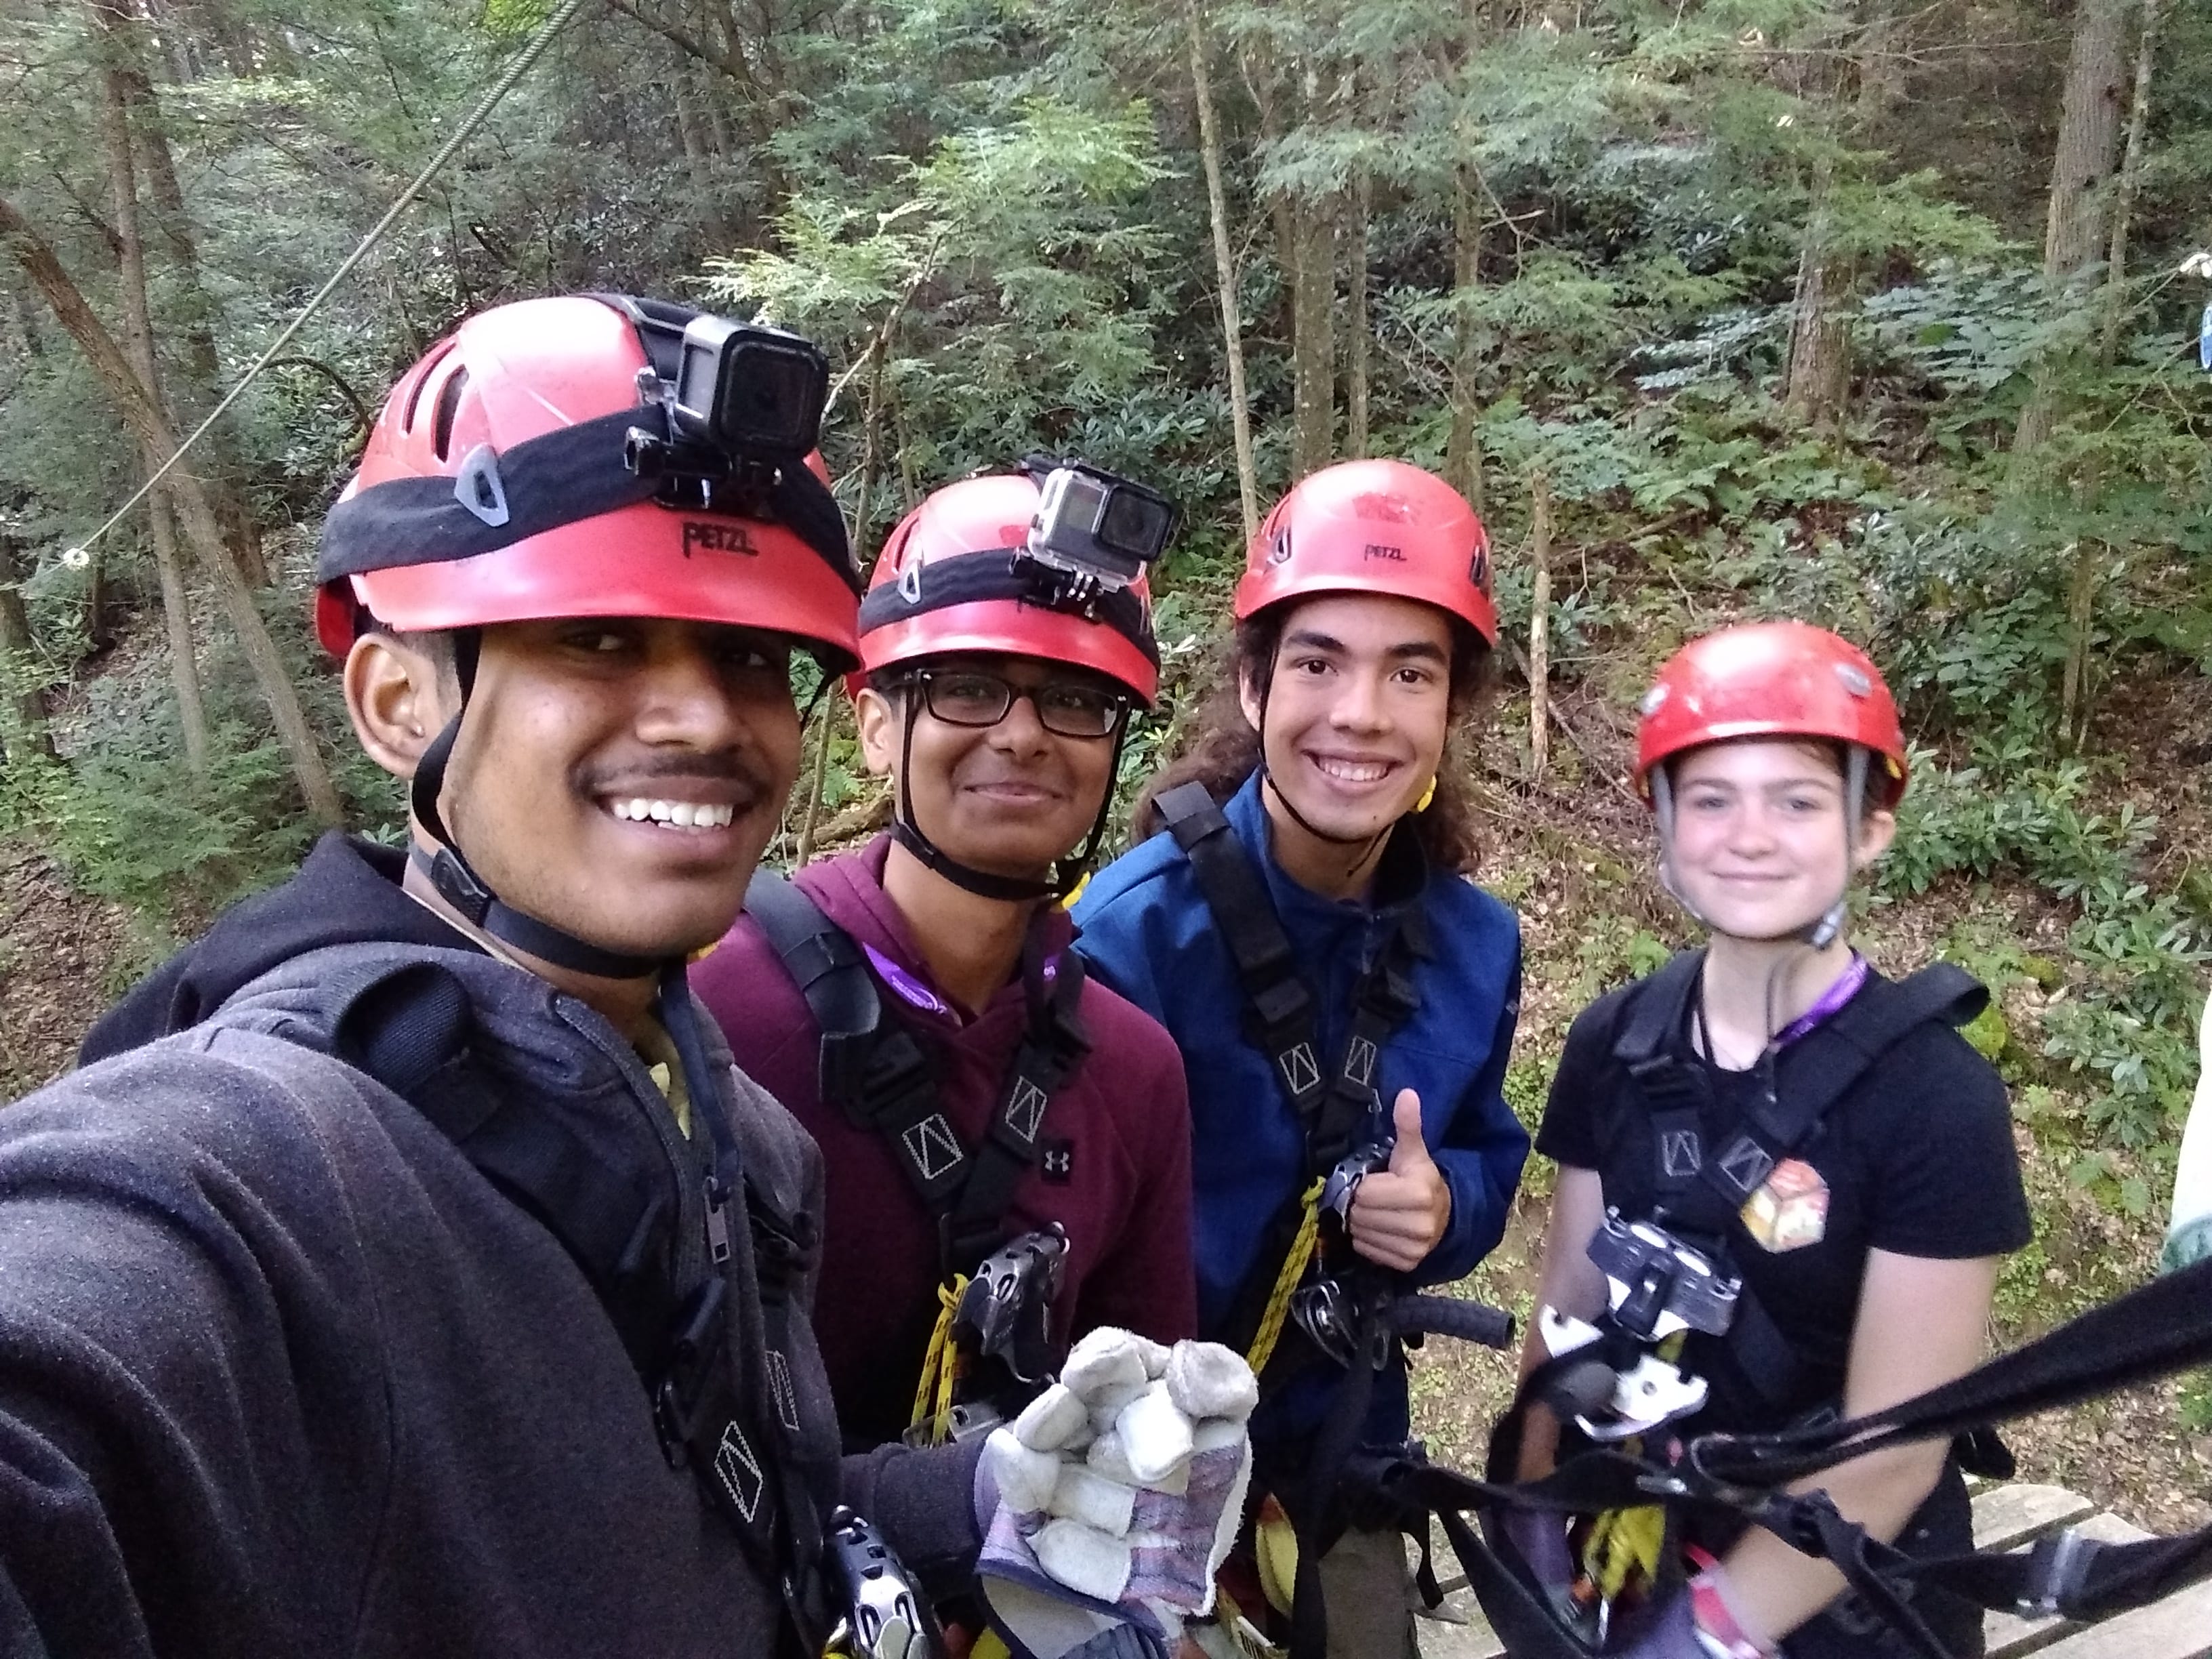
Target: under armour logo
{"type": "Point", "coordinates": [1058, 1161]}
{"type": "Point", "coordinates": [1299, 1072]}
{"type": "Point", "coordinates": [1359, 1061]}
{"type": "Point", "coordinates": [1025, 1109]}
{"type": "Point", "coordinates": [933, 1146]}
{"type": "Point", "coordinates": [779, 1384]}
{"type": "Point", "coordinates": [1679, 1154]}
{"type": "Point", "coordinates": [1745, 1164]}
{"type": "Point", "coordinates": [739, 1472]}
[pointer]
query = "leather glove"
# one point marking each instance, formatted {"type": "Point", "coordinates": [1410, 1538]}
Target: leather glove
{"type": "Point", "coordinates": [1118, 1492]}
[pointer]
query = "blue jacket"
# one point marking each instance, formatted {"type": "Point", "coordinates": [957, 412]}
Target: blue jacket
{"type": "Point", "coordinates": [1148, 933]}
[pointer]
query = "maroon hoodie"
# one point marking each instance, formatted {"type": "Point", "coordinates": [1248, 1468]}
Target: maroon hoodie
{"type": "Point", "coordinates": [1116, 1172]}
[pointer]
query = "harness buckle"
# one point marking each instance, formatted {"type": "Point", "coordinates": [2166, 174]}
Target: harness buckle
{"type": "Point", "coordinates": [2057, 1568]}
{"type": "Point", "coordinates": [694, 1347]}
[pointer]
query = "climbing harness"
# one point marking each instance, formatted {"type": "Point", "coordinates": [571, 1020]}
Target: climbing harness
{"type": "Point", "coordinates": [660, 1275]}
{"type": "Point", "coordinates": [2160, 1329]}
{"type": "Point", "coordinates": [1334, 1109]}
{"type": "Point", "coordinates": [996, 1295]}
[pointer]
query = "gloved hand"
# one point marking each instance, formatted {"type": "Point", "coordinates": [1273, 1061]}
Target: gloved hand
{"type": "Point", "coordinates": [1118, 1492]}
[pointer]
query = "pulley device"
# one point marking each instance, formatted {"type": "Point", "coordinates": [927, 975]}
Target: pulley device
{"type": "Point", "coordinates": [1657, 1288]}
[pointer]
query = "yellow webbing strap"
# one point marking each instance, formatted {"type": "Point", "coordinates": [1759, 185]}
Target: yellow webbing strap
{"type": "Point", "coordinates": [1622, 1548]}
{"type": "Point", "coordinates": [990, 1645]}
{"type": "Point", "coordinates": [940, 1365]}
{"type": "Point", "coordinates": [1294, 1269]}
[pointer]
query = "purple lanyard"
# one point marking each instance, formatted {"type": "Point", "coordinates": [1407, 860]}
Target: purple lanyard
{"type": "Point", "coordinates": [1845, 988]}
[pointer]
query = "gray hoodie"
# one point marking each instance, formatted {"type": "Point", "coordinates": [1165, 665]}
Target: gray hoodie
{"type": "Point", "coordinates": [282, 1373]}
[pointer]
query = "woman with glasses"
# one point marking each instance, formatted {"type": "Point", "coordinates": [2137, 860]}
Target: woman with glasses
{"type": "Point", "coordinates": [980, 1108]}
{"type": "Point", "coordinates": [1344, 995]}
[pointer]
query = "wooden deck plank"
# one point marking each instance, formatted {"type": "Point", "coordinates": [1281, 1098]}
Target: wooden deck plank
{"type": "Point", "coordinates": [2011, 1515]}
{"type": "Point", "coordinates": [2179, 1628]}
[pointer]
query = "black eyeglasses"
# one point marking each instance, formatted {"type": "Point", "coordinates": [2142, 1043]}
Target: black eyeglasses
{"type": "Point", "coordinates": [1072, 708]}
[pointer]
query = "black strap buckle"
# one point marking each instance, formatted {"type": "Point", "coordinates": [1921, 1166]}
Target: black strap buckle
{"type": "Point", "coordinates": [2057, 1568]}
{"type": "Point", "coordinates": [694, 1347]}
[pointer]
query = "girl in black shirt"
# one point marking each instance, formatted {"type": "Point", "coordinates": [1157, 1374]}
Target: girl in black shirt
{"type": "Point", "coordinates": [1774, 759]}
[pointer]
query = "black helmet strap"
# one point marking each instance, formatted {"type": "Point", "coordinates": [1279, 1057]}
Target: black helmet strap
{"type": "Point", "coordinates": [456, 880]}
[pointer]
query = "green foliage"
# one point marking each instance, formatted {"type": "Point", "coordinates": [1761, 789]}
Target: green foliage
{"type": "Point", "coordinates": [2126, 1014]}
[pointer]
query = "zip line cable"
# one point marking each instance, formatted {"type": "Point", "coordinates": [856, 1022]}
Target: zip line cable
{"type": "Point", "coordinates": [531, 53]}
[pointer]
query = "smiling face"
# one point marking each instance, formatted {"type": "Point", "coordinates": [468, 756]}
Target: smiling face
{"type": "Point", "coordinates": [1759, 842]}
{"type": "Point", "coordinates": [616, 777]}
{"type": "Point", "coordinates": [1356, 713]}
{"type": "Point", "coordinates": [1010, 799]}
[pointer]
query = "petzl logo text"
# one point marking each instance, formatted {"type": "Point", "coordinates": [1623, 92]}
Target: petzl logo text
{"type": "Point", "coordinates": [1379, 550]}
{"type": "Point", "coordinates": [704, 536]}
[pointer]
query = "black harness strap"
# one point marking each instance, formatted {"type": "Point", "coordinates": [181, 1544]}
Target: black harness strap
{"type": "Point", "coordinates": [409, 1024]}
{"type": "Point", "coordinates": [875, 1072]}
{"type": "Point", "coordinates": [1701, 1189]}
{"type": "Point", "coordinates": [1332, 1108]}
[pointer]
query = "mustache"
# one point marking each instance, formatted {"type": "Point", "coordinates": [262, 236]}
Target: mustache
{"type": "Point", "coordinates": [717, 766]}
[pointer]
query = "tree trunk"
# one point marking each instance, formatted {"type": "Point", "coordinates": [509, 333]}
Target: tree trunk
{"type": "Point", "coordinates": [698, 160]}
{"type": "Point", "coordinates": [26, 732]}
{"type": "Point", "coordinates": [1817, 385]}
{"type": "Point", "coordinates": [1313, 337]}
{"type": "Point", "coordinates": [1224, 273]}
{"type": "Point", "coordinates": [201, 386]}
{"type": "Point", "coordinates": [1540, 623]}
{"type": "Point", "coordinates": [138, 347]}
{"type": "Point", "coordinates": [146, 419]}
{"type": "Point", "coordinates": [1462, 450]}
{"type": "Point", "coordinates": [2088, 139]}
{"type": "Point", "coordinates": [2081, 173]}
{"type": "Point", "coordinates": [2080, 614]}
{"type": "Point", "coordinates": [2123, 202]}
{"type": "Point", "coordinates": [1356, 324]}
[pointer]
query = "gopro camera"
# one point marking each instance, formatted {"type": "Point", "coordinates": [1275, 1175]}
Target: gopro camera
{"type": "Point", "coordinates": [1098, 529]}
{"type": "Point", "coordinates": [751, 391]}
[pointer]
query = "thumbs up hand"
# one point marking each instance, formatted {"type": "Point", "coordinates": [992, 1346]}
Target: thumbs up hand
{"type": "Point", "coordinates": [1398, 1214]}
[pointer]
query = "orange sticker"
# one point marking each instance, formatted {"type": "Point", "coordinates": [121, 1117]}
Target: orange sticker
{"type": "Point", "coordinates": [1791, 1208]}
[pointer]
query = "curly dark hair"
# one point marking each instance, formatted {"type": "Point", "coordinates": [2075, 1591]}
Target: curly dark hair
{"type": "Point", "coordinates": [1222, 749]}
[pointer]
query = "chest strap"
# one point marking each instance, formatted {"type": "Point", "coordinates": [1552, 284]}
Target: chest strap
{"type": "Point", "coordinates": [875, 1072]}
{"type": "Point", "coordinates": [1825, 1064]}
{"type": "Point", "coordinates": [409, 1024]}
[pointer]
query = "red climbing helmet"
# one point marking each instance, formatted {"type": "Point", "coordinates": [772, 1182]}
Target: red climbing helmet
{"type": "Point", "coordinates": [948, 581]}
{"type": "Point", "coordinates": [1785, 679]}
{"type": "Point", "coordinates": [1373, 527]}
{"type": "Point", "coordinates": [535, 464]}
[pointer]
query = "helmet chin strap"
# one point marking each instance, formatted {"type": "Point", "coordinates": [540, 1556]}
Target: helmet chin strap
{"type": "Point", "coordinates": [457, 882]}
{"type": "Point", "coordinates": [1067, 874]}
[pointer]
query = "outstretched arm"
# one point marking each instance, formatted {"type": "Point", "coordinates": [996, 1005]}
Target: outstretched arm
{"type": "Point", "coordinates": [1922, 1323]}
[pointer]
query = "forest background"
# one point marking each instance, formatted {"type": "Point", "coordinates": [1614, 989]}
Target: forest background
{"type": "Point", "coordinates": [1878, 312]}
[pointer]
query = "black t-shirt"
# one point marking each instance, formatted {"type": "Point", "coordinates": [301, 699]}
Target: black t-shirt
{"type": "Point", "coordinates": [1917, 1158]}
